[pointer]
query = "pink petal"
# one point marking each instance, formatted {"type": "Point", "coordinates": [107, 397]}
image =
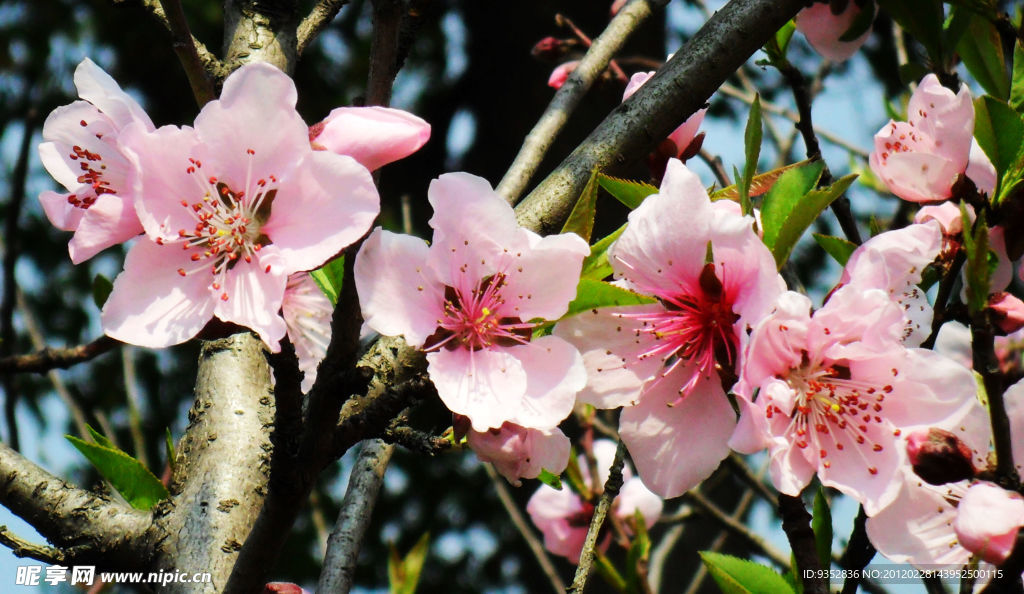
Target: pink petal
{"type": "Point", "coordinates": [778, 340]}
{"type": "Point", "coordinates": [823, 30]}
{"type": "Point", "coordinates": [255, 112]}
{"type": "Point", "coordinates": [918, 177]}
{"type": "Point", "coordinates": [97, 87]}
{"type": "Point", "coordinates": [1014, 398]}
{"type": "Point", "coordinates": [61, 214]}
{"type": "Point", "coordinates": [980, 169]}
{"type": "Point", "coordinates": [328, 203]}
{"type": "Point", "coordinates": [611, 348]}
{"type": "Point", "coordinates": [561, 74]}
{"type": "Point", "coordinates": [374, 136]}
{"type": "Point", "coordinates": [916, 527]}
{"type": "Point", "coordinates": [988, 519]}
{"type": "Point", "coordinates": [633, 497]}
{"type": "Point", "coordinates": [62, 130]}
{"type": "Point", "coordinates": [554, 374]}
{"type": "Point", "coordinates": [397, 293]}
{"type": "Point", "coordinates": [517, 452]}
{"type": "Point", "coordinates": [307, 314]}
{"type": "Point", "coordinates": [867, 475]}
{"type": "Point", "coordinates": [544, 279]}
{"type": "Point", "coordinates": [549, 510]}
{"type": "Point", "coordinates": [255, 291]}
{"type": "Point", "coordinates": [109, 221]}
{"type": "Point", "coordinates": [635, 82]}
{"type": "Point", "coordinates": [947, 214]}
{"type": "Point", "coordinates": [486, 385]}
{"type": "Point", "coordinates": [677, 445]}
{"type": "Point", "coordinates": [944, 116]}
{"type": "Point", "coordinates": [151, 304]}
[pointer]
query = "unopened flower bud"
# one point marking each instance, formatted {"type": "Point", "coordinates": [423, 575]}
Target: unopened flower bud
{"type": "Point", "coordinates": [987, 521]}
{"type": "Point", "coordinates": [552, 49]}
{"type": "Point", "coordinates": [561, 74]}
{"type": "Point", "coordinates": [1008, 311]}
{"type": "Point", "coordinates": [939, 457]}
{"type": "Point", "coordinates": [283, 588]}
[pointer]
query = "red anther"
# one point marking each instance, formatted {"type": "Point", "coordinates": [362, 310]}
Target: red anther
{"type": "Point", "coordinates": [195, 257]}
{"type": "Point", "coordinates": [872, 470]}
{"type": "Point", "coordinates": [83, 123]}
{"type": "Point", "coordinates": [267, 270]}
{"type": "Point", "coordinates": [250, 151]}
{"type": "Point", "coordinates": [223, 296]}
{"type": "Point", "coordinates": [877, 447]}
{"type": "Point", "coordinates": [181, 271]}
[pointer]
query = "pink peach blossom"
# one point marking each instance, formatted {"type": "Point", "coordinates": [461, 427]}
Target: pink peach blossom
{"type": "Point", "coordinates": [518, 452]}
{"type": "Point", "coordinates": [662, 361]}
{"type": "Point", "coordinates": [231, 208]}
{"type": "Point", "coordinates": [81, 152]}
{"type": "Point", "coordinates": [471, 299]}
{"type": "Point", "coordinates": [947, 214]}
{"type": "Point", "coordinates": [563, 517]}
{"type": "Point", "coordinates": [1008, 311]}
{"type": "Point", "coordinates": [307, 317]}
{"type": "Point", "coordinates": [561, 74]}
{"type": "Point", "coordinates": [835, 391]}
{"type": "Point", "coordinates": [921, 158]}
{"type": "Point", "coordinates": [374, 135]}
{"type": "Point", "coordinates": [988, 519]}
{"type": "Point", "coordinates": [823, 28]}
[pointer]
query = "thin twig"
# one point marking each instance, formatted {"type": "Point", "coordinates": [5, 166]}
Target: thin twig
{"type": "Point", "coordinates": [565, 21]}
{"type": "Point", "coordinates": [23, 548]}
{"type": "Point", "coordinates": [56, 358]}
{"type": "Point", "coordinates": [942, 298]}
{"type": "Point", "coordinates": [316, 21]}
{"type": "Point", "coordinates": [796, 523]}
{"type": "Point", "coordinates": [354, 518]}
{"type": "Point", "coordinates": [735, 526]}
{"type": "Point", "coordinates": [604, 504]}
{"type": "Point", "coordinates": [859, 552]}
{"type": "Point", "coordinates": [987, 365]}
{"type": "Point", "coordinates": [185, 47]}
{"type": "Point", "coordinates": [536, 547]}
{"type": "Point", "coordinates": [747, 476]}
{"type": "Point", "coordinates": [569, 96]}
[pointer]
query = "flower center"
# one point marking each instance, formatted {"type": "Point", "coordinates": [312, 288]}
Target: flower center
{"type": "Point", "coordinates": [227, 223]}
{"type": "Point", "coordinates": [694, 325]}
{"type": "Point", "coordinates": [473, 319]}
{"type": "Point", "coordinates": [93, 169]}
{"type": "Point", "coordinates": [830, 402]}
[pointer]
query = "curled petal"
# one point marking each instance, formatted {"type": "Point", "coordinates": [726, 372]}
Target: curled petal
{"type": "Point", "coordinates": [374, 136]}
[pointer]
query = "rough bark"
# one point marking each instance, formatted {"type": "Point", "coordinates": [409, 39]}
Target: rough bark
{"type": "Point", "coordinates": [679, 89]}
{"type": "Point", "coordinates": [260, 31]}
{"type": "Point", "coordinates": [223, 463]}
{"type": "Point", "coordinates": [88, 528]}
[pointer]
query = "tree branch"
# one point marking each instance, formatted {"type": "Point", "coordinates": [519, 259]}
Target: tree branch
{"type": "Point", "coordinates": [260, 31]}
{"type": "Point", "coordinates": [735, 526]}
{"type": "Point", "coordinates": [87, 528]}
{"type": "Point", "coordinates": [56, 358]}
{"type": "Point", "coordinates": [210, 63]}
{"type": "Point", "coordinates": [796, 523]}
{"type": "Point", "coordinates": [568, 97]}
{"type": "Point", "coordinates": [604, 504]}
{"type": "Point", "coordinates": [354, 518]}
{"type": "Point", "coordinates": [185, 47]}
{"type": "Point", "coordinates": [316, 21]}
{"type": "Point", "coordinates": [679, 89]}
{"type": "Point", "coordinates": [22, 548]}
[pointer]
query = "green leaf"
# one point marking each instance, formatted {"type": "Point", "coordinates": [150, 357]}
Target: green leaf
{"type": "Point", "coordinates": [100, 439]}
{"type": "Point", "coordinates": [981, 50]}
{"type": "Point", "coordinates": [592, 294]}
{"type": "Point", "coordinates": [821, 524]}
{"type": "Point", "coordinates": [550, 479]}
{"type": "Point", "coordinates": [740, 576]}
{"type": "Point", "coordinates": [101, 288]}
{"type": "Point", "coordinates": [596, 265]}
{"type": "Point", "coordinates": [837, 247]}
{"type": "Point", "coordinates": [1017, 78]}
{"type": "Point", "coordinates": [923, 20]}
{"type": "Point", "coordinates": [783, 37]}
{"type": "Point", "coordinates": [581, 219]}
{"type": "Point", "coordinates": [140, 488]}
{"type": "Point", "coordinates": [404, 573]}
{"type": "Point", "coordinates": [911, 73]}
{"type": "Point", "coordinates": [329, 278]}
{"type": "Point", "coordinates": [608, 573]}
{"type": "Point", "coordinates": [751, 152]}
{"type": "Point", "coordinates": [574, 475]}
{"type": "Point", "coordinates": [758, 185]}
{"type": "Point", "coordinates": [861, 23]}
{"type": "Point", "coordinates": [802, 216]}
{"type": "Point", "coordinates": [976, 267]}
{"type": "Point", "coordinates": [999, 131]}
{"type": "Point", "coordinates": [638, 554]}
{"type": "Point", "coordinates": [169, 448]}
{"type": "Point", "coordinates": [630, 193]}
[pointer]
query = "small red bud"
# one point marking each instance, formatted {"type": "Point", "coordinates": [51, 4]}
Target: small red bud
{"type": "Point", "coordinates": [939, 457]}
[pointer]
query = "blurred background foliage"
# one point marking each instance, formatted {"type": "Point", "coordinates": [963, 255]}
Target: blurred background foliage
{"type": "Point", "coordinates": [471, 75]}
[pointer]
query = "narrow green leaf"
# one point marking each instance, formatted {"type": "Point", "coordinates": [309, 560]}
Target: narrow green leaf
{"type": "Point", "coordinates": [404, 573]}
{"type": "Point", "coordinates": [101, 288]}
{"type": "Point", "coordinates": [803, 215]}
{"type": "Point", "coordinates": [740, 576]}
{"type": "Point", "coordinates": [999, 131]}
{"type": "Point", "coordinates": [100, 438]}
{"type": "Point", "coordinates": [581, 219]}
{"type": "Point", "coordinates": [977, 270]}
{"type": "Point", "coordinates": [784, 197]}
{"type": "Point", "coordinates": [630, 193]}
{"type": "Point", "coordinates": [574, 474]}
{"type": "Point", "coordinates": [140, 488]}
{"type": "Point", "coordinates": [837, 247]}
{"type": "Point", "coordinates": [550, 479]}
{"type": "Point", "coordinates": [329, 278]}
{"type": "Point", "coordinates": [751, 151]}
{"type": "Point", "coordinates": [638, 554]}
{"type": "Point", "coordinates": [981, 50]}
{"type": "Point", "coordinates": [596, 265]}
{"type": "Point", "coordinates": [169, 448]}
{"type": "Point", "coordinates": [923, 20]}
{"type": "Point", "coordinates": [821, 524]}
{"type": "Point", "coordinates": [784, 35]}
{"type": "Point", "coordinates": [609, 574]}
{"type": "Point", "coordinates": [592, 294]}
{"type": "Point", "coordinates": [1017, 78]}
